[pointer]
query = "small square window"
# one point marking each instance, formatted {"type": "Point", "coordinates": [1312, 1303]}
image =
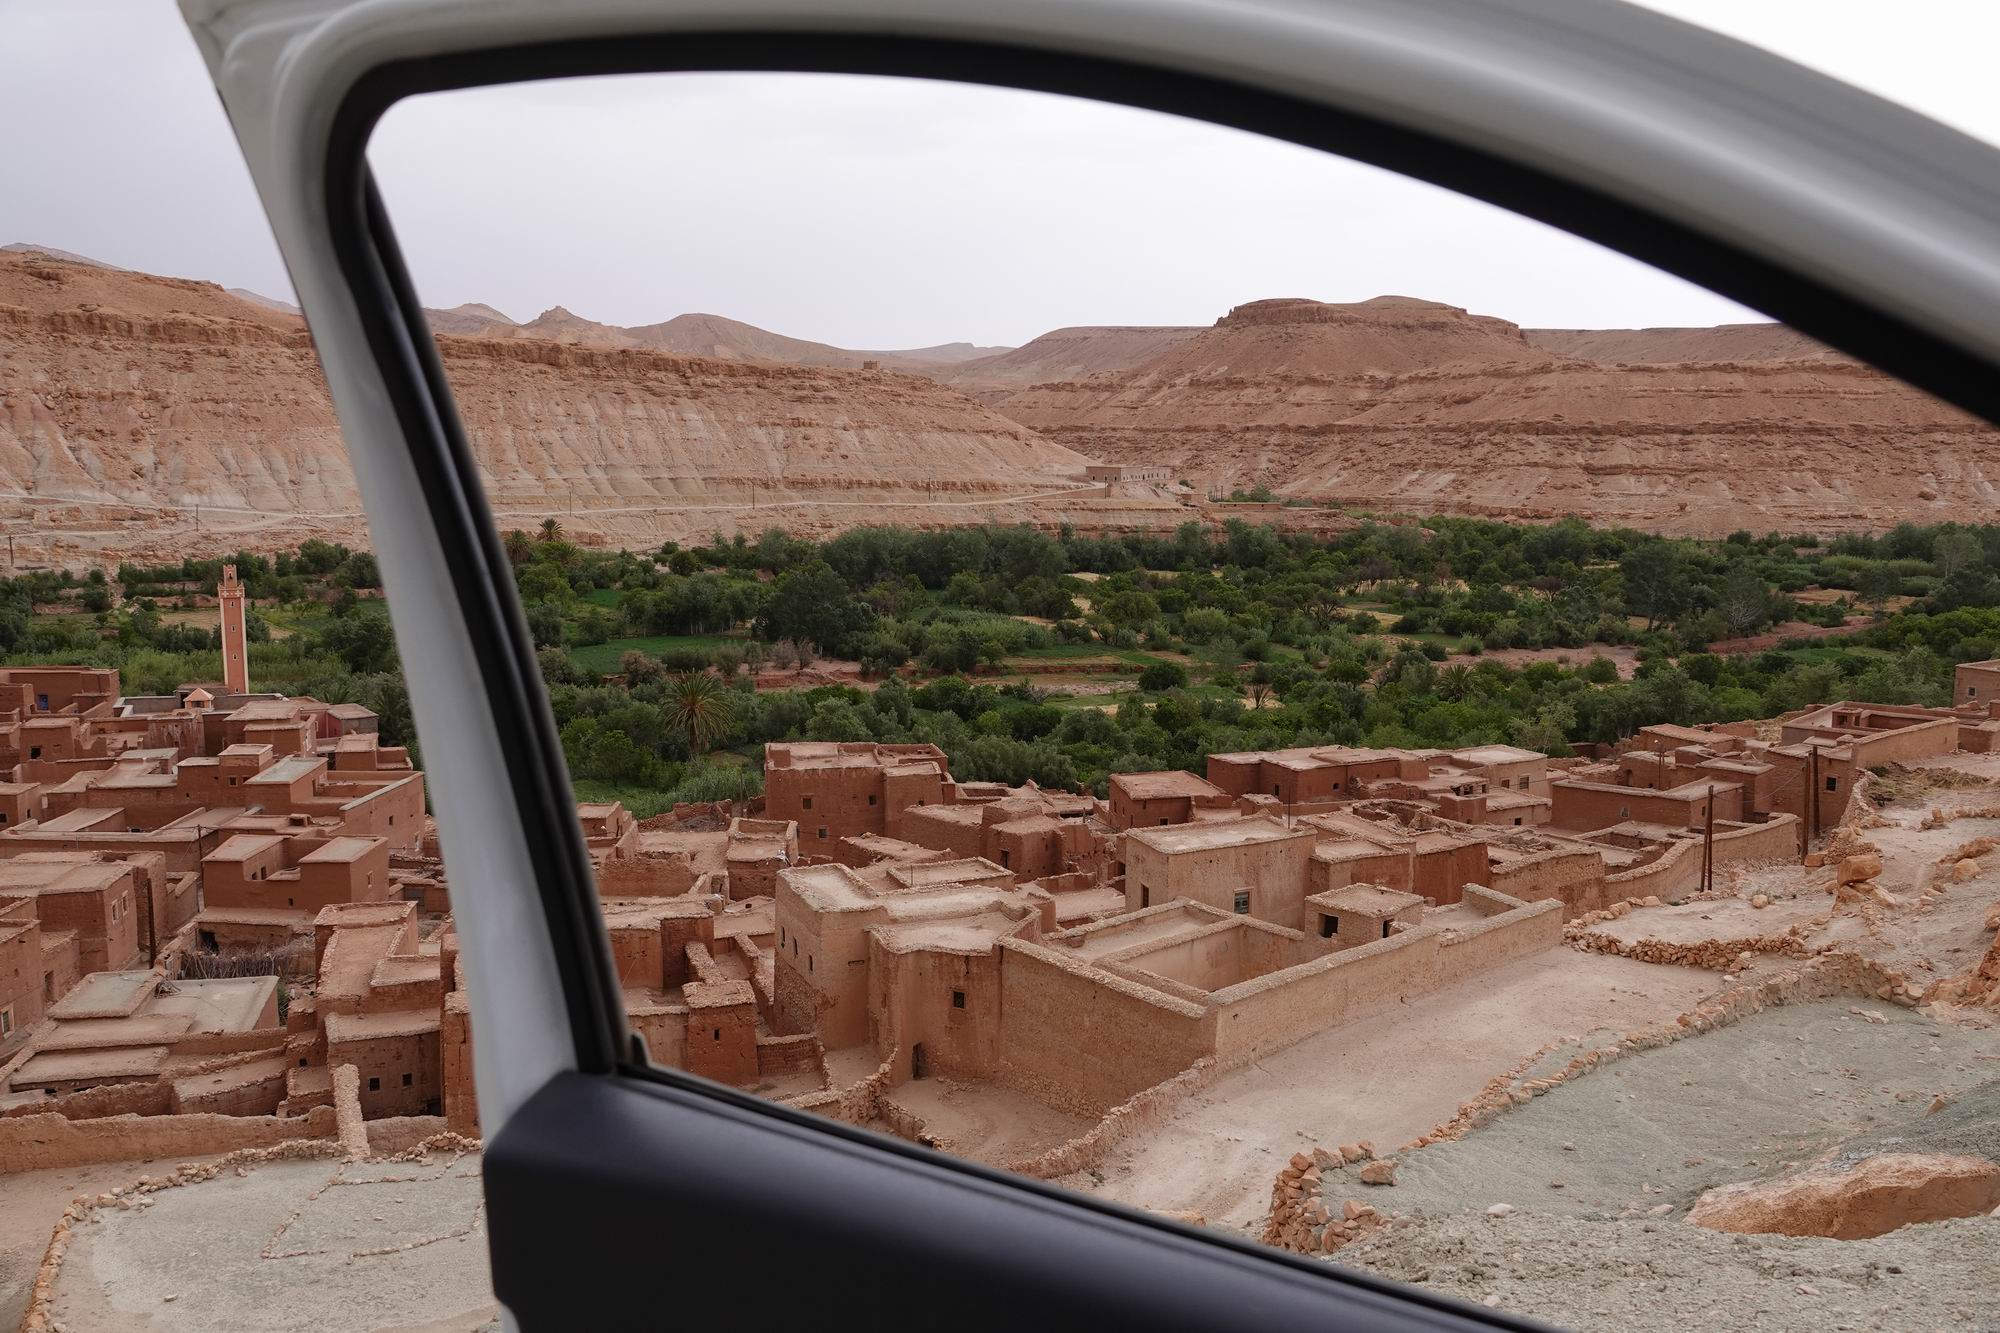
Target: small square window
{"type": "Point", "coordinates": [822, 835]}
{"type": "Point", "coordinates": [958, 999]}
{"type": "Point", "coordinates": [1243, 902]}
{"type": "Point", "coordinates": [1833, 784]}
{"type": "Point", "coordinates": [871, 800]}
{"type": "Point", "coordinates": [1327, 925]}
{"type": "Point", "coordinates": [806, 803]}
{"type": "Point", "coordinates": [406, 1080]}
{"type": "Point", "coordinates": [374, 1085]}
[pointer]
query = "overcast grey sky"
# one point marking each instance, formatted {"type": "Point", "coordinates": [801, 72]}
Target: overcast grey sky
{"type": "Point", "coordinates": [866, 213]}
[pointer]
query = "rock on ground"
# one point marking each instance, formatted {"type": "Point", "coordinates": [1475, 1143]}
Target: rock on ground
{"type": "Point", "coordinates": [1875, 1195]}
{"type": "Point", "coordinates": [1668, 1277]}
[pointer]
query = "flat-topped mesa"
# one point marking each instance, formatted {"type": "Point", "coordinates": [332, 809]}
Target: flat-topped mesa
{"type": "Point", "coordinates": [1378, 312]}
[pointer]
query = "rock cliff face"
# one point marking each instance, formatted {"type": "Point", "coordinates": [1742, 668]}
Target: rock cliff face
{"type": "Point", "coordinates": [1398, 404]}
{"type": "Point", "coordinates": [153, 393]}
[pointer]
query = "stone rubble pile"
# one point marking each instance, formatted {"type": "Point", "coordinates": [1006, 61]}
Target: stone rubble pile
{"type": "Point", "coordinates": [1301, 1219]}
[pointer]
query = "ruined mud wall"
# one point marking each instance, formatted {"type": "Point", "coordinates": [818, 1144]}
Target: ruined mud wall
{"type": "Point", "coordinates": [1573, 878]}
{"type": "Point", "coordinates": [1274, 1011]}
{"type": "Point", "coordinates": [1142, 1111]}
{"type": "Point", "coordinates": [1082, 1041]}
{"type": "Point", "coordinates": [1502, 939]}
{"type": "Point", "coordinates": [38, 1142]}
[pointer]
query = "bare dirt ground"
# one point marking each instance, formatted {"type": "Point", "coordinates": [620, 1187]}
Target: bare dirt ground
{"type": "Point", "coordinates": [1600, 1171]}
{"type": "Point", "coordinates": [31, 1204]}
{"type": "Point", "coordinates": [1387, 1080]}
{"type": "Point", "coordinates": [315, 1245]}
{"type": "Point", "coordinates": [986, 1122]}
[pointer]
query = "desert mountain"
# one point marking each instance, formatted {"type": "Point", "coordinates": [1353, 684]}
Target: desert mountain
{"type": "Point", "coordinates": [693, 335]}
{"type": "Point", "coordinates": [1723, 342]}
{"type": "Point", "coordinates": [127, 389]}
{"type": "Point", "coordinates": [1399, 404]}
{"type": "Point", "coordinates": [121, 389]}
{"type": "Point", "coordinates": [1066, 354]}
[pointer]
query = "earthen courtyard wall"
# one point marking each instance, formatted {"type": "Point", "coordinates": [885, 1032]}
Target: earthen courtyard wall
{"type": "Point", "coordinates": [1079, 1040]}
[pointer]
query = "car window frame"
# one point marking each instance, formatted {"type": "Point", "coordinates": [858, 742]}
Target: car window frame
{"type": "Point", "coordinates": [370, 263]}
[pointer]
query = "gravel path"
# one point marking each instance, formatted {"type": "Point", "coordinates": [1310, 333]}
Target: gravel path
{"type": "Point", "coordinates": [1598, 1174]}
{"type": "Point", "coordinates": [1668, 1277]}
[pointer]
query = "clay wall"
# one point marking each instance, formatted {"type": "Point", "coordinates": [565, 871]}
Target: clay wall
{"type": "Point", "coordinates": [1920, 740]}
{"type": "Point", "coordinates": [22, 975]}
{"type": "Point", "coordinates": [40, 1142]}
{"type": "Point", "coordinates": [1585, 806]}
{"type": "Point", "coordinates": [1440, 872]}
{"type": "Point", "coordinates": [941, 1010]}
{"type": "Point", "coordinates": [400, 1075]}
{"type": "Point", "coordinates": [787, 1055]}
{"type": "Point", "coordinates": [1275, 1011]}
{"type": "Point", "coordinates": [461, 1102]}
{"type": "Point", "coordinates": [1510, 932]}
{"type": "Point", "coordinates": [1272, 871]}
{"type": "Point", "coordinates": [647, 875]}
{"type": "Point", "coordinates": [721, 1039]}
{"type": "Point", "coordinates": [1976, 683]}
{"type": "Point", "coordinates": [1573, 878]}
{"type": "Point", "coordinates": [943, 828]}
{"type": "Point", "coordinates": [1079, 1040]}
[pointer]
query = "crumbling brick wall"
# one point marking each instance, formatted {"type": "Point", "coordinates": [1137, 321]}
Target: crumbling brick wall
{"type": "Point", "coordinates": [38, 1142]}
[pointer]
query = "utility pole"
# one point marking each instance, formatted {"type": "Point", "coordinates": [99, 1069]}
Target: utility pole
{"type": "Point", "coordinates": [1812, 795]}
{"type": "Point", "coordinates": [1708, 843]}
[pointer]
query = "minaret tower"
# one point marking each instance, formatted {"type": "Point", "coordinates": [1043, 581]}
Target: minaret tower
{"type": "Point", "coordinates": [235, 643]}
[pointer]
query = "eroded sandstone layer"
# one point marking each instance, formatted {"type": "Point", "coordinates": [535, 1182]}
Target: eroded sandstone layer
{"type": "Point", "coordinates": [124, 395]}
{"type": "Point", "coordinates": [1400, 404]}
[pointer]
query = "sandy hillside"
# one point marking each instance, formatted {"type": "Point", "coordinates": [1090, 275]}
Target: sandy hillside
{"type": "Point", "coordinates": [1403, 404]}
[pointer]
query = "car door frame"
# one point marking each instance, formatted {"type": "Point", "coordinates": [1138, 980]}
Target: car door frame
{"type": "Point", "coordinates": [573, 1110]}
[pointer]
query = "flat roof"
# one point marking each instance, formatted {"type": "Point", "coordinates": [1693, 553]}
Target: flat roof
{"type": "Point", "coordinates": [288, 770]}
{"type": "Point", "coordinates": [394, 1023]}
{"type": "Point", "coordinates": [1169, 782]}
{"type": "Point", "coordinates": [243, 846]}
{"type": "Point", "coordinates": [1217, 833]}
{"type": "Point", "coordinates": [342, 849]}
{"type": "Point", "coordinates": [1373, 899]}
{"type": "Point", "coordinates": [1497, 754]}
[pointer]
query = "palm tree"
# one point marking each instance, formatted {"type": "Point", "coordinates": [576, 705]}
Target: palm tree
{"type": "Point", "coordinates": [1455, 682]}
{"type": "Point", "coordinates": [519, 547]}
{"type": "Point", "coordinates": [698, 707]}
{"type": "Point", "coordinates": [552, 530]}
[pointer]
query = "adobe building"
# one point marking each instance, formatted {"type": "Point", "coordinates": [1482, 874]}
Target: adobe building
{"type": "Point", "coordinates": [1976, 683]}
{"type": "Point", "coordinates": [1310, 777]}
{"type": "Point", "coordinates": [1585, 805]}
{"type": "Point", "coordinates": [1024, 832]}
{"type": "Point", "coordinates": [1124, 472]}
{"type": "Point", "coordinates": [95, 901]}
{"type": "Point", "coordinates": [1254, 866]}
{"type": "Point", "coordinates": [865, 955]}
{"type": "Point", "coordinates": [262, 889]}
{"type": "Point", "coordinates": [835, 790]}
{"type": "Point", "coordinates": [133, 1027]}
{"type": "Point", "coordinates": [1093, 1016]}
{"type": "Point", "coordinates": [1363, 913]}
{"type": "Point", "coordinates": [378, 1005]}
{"type": "Point", "coordinates": [1435, 863]}
{"type": "Point", "coordinates": [1147, 800]}
{"type": "Point", "coordinates": [36, 970]}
